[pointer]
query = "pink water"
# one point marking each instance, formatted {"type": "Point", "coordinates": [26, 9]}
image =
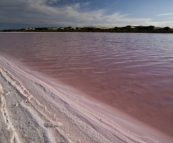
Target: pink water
{"type": "Point", "coordinates": [130, 72]}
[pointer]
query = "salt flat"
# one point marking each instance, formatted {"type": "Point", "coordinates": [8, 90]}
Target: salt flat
{"type": "Point", "coordinates": [21, 122]}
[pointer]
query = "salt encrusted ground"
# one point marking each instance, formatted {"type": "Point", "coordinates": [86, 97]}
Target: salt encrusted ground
{"type": "Point", "coordinates": [22, 122]}
{"type": "Point", "coordinates": [33, 112]}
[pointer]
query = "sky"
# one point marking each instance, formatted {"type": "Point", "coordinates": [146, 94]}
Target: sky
{"type": "Point", "coordinates": [16, 14]}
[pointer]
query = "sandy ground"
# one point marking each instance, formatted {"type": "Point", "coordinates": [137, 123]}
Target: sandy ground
{"type": "Point", "coordinates": [33, 112]}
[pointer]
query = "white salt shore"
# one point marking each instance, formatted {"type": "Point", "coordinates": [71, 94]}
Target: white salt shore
{"type": "Point", "coordinates": [31, 111]}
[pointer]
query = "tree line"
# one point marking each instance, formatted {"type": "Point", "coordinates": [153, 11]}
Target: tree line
{"type": "Point", "coordinates": [126, 29]}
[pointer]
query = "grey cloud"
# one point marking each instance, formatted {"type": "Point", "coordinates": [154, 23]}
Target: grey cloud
{"type": "Point", "coordinates": [38, 12]}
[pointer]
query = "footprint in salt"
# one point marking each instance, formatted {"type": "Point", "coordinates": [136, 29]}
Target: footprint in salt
{"type": "Point", "coordinates": [52, 124]}
{"type": "Point", "coordinates": [9, 134]}
{"type": "Point", "coordinates": [2, 99]}
{"type": "Point", "coordinates": [2, 102]}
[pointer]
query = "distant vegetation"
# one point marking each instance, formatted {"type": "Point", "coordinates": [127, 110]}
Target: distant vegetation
{"type": "Point", "coordinates": [126, 29]}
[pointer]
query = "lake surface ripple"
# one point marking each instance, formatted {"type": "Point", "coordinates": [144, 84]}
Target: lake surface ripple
{"type": "Point", "coordinates": [130, 72]}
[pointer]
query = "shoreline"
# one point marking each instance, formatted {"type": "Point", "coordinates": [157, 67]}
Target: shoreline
{"type": "Point", "coordinates": [52, 120]}
{"type": "Point", "coordinates": [56, 84]}
{"type": "Point", "coordinates": [117, 125]}
{"type": "Point", "coordinates": [127, 29]}
{"type": "Point", "coordinates": [84, 32]}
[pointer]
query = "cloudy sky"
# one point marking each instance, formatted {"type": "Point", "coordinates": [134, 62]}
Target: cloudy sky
{"type": "Point", "coordinates": [56, 13]}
